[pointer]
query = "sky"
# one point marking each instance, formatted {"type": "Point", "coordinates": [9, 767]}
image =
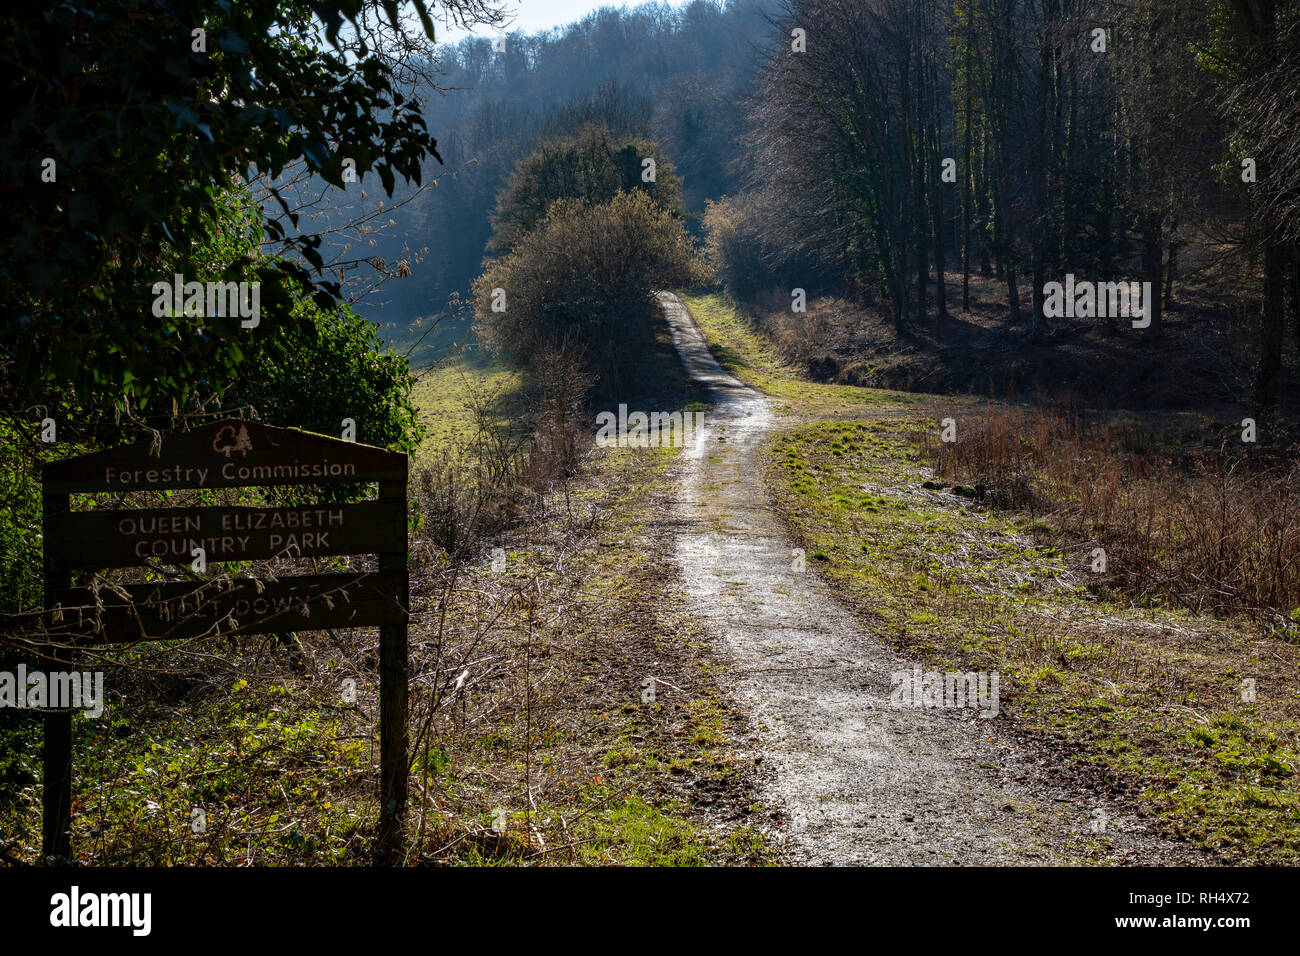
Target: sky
{"type": "Point", "coordinates": [533, 16]}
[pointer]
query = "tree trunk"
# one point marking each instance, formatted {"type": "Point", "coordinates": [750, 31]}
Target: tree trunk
{"type": "Point", "coordinates": [965, 241]}
{"type": "Point", "coordinates": [1295, 290]}
{"type": "Point", "coordinates": [1171, 269]}
{"type": "Point", "coordinates": [899, 291]}
{"type": "Point", "coordinates": [1268, 376]}
{"type": "Point", "coordinates": [966, 175]}
{"type": "Point", "coordinates": [1039, 321]}
{"type": "Point", "coordinates": [936, 216]}
{"type": "Point", "coordinates": [1013, 294]}
{"type": "Point", "coordinates": [897, 281]}
{"type": "Point", "coordinates": [1152, 262]}
{"type": "Point", "coordinates": [1071, 235]}
{"type": "Point", "coordinates": [982, 208]}
{"type": "Point", "coordinates": [922, 279]}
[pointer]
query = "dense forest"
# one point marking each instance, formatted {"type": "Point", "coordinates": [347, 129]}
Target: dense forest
{"type": "Point", "coordinates": [1106, 140]}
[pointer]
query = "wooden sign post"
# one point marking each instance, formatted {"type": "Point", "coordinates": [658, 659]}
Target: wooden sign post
{"type": "Point", "coordinates": [229, 454]}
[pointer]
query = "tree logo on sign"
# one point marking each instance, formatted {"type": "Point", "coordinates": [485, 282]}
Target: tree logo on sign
{"type": "Point", "coordinates": [239, 442]}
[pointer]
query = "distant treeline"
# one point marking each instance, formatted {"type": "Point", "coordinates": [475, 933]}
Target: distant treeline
{"type": "Point", "coordinates": [679, 73]}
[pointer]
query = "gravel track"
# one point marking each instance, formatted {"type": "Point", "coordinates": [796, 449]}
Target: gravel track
{"type": "Point", "coordinates": [859, 781]}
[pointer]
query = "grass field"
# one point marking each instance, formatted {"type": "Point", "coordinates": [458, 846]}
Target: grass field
{"type": "Point", "coordinates": [445, 396]}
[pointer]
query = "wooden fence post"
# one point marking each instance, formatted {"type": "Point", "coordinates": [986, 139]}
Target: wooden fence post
{"type": "Point", "coordinates": [393, 689]}
{"type": "Point", "coordinates": [56, 754]}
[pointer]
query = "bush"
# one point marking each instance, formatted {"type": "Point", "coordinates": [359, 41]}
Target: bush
{"type": "Point", "coordinates": [472, 491]}
{"type": "Point", "coordinates": [314, 374]}
{"type": "Point", "coordinates": [748, 263]}
{"type": "Point", "coordinates": [589, 165]}
{"type": "Point", "coordinates": [734, 246]}
{"type": "Point", "coordinates": [308, 374]}
{"type": "Point", "coordinates": [585, 277]}
{"type": "Point", "coordinates": [20, 519]}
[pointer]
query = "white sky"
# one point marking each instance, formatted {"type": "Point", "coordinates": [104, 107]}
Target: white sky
{"type": "Point", "coordinates": [534, 16]}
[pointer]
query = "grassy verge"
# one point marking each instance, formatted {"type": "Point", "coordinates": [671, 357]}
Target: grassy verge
{"type": "Point", "coordinates": [202, 768]}
{"type": "Point", "coordinates": [578, 758]}
{"type": "Point", "coordinates": [750, 357]}
{"type": "Point", "coordinates": [441, 397]}
{"type": "Point", "coordinates": [592, 770]}
{"type": "Point", "coordinates": [1152, 704]}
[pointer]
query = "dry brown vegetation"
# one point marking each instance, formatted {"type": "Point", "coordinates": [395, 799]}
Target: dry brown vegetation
{"type": "Point", "coordinates": [1215, 529]}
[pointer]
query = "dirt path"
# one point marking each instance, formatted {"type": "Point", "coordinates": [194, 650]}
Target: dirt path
{"type": "Point", "coordinates": [860, 781]}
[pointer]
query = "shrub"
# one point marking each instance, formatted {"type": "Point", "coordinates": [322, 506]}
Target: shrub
{"type": "Point", "coordinates": [20, 519]}
{"type": "Point", "coordinates": [470, 491]}
{"type": "Point", "coordinates": [314, 374]}
{"type": "Point", "coordinates": [590, 165]}
{"type": "Point", "coordinates": [1214, 532]}
{"type": "Point", "coordinates": [585, 277]}
{"type": "Point", "coordinates": [734, 247]}
{"type": "Point", "coordinates": [310, 373]}
{"type": "Point", "coordinates": [739, 248]}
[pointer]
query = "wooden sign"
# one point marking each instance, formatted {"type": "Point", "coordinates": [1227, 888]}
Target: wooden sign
{"type": "Point", "coordinates": [182, 610]}
{"type": "Point", "coordinates": [89, 540]}
{"type": "Point", "coordinates": [228, 454]}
